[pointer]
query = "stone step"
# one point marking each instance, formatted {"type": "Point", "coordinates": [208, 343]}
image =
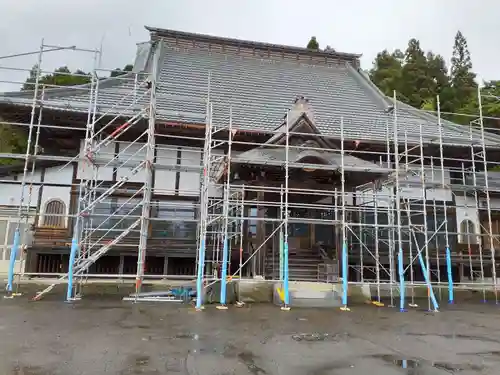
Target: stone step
{"type": "Point", "coordinates": [297, 276]}
{"type": "Point", "coordinates": [302, 264]}
{"type": "Point", "coordinates": [309, 264]}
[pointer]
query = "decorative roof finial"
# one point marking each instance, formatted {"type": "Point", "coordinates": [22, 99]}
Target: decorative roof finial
{"type": "Point", "coordinates": [300, 106]}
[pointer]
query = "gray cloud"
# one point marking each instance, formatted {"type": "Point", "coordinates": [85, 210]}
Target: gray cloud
{"type": "Point", "coordinates": [363, 26]}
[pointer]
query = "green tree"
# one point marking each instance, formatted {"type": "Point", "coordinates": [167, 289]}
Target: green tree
{"type": "Point", "coordinates": [440, 83]}
{"type": "Point", "coordinates": [118, 72]}
{"type": "Point", "coordinates": [387, 72]}
{"type": "Point", "coordinates": [313, 44]}
{"type": "Point", "coordinates": [462, 77]}
{"type": "Point", "coordinates": [12, 141]}
{"type": "Point", "coordinates": [490, 104]}
{"type": "Point", "coordinates": [61, 77]}
{"type": "Point", "coordinates": [417, 83]}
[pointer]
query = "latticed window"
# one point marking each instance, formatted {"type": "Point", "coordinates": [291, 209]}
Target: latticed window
{"type": "Point", "coordinates": [54, 214]}
{"type": "Point", "coordinates": [468, 232]}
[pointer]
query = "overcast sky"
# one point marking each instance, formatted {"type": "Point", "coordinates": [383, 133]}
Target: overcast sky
{"type": "Point", "coordinates": [362, 26]}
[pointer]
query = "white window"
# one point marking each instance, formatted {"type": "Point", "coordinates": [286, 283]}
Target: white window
{"type": "Point", "coordinates": [468, 232]}
{"type": "Point", "coordinates": [55, 211]}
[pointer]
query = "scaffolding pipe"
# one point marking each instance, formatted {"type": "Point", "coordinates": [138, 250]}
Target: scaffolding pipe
{"type": "Point", "coordinates": [398, 203]}
{"type": "Point", "coordinates": [445, 198]}
{"type": "Point", "coordinates": [17, 234]}
{"type": "Point", "coordinates": [487, 191]}
{"type": "Point", "coordinates": [225, 251]}
{"type": "Point", "coordinates": [286, 297]}
{"type": "Point", "coordinates": [345, 256]}
{"type": "Point", "coordinates": [281, 238]}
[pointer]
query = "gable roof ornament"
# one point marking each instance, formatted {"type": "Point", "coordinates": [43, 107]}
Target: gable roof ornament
{"type": "Point", "coordinates": [300, 106]}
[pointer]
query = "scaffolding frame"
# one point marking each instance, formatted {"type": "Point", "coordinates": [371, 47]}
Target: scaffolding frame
{"type": "Point", "coordinates": [222, 219]}
{"type": "Point", "coordinates": [398, 178]}
{"type": "Point", "coordinates": [88, 243]}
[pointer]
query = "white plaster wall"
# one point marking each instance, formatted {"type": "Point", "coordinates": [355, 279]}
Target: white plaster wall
{"type": "Point", "coordinates": [10, 192]}
{"type": "Point", "coordinates": [164, 178]}
{"type": "Point", "coordinates": [105, 154]}
{"type": "Point", "coordinates": [189, 180]}
{"type": "Point", "coordinates": [383, 196]}
{"type": "Point", "coordinates": [215, 191]}
{"type": "Point", "coordinates": [494, 204]}
{"type": "Point", "coordinates": [466, 210]}
{"type": "Point", "coordinates": [8, 224]}
{"type": "Point", "coordinates": [57, 175]}
{"type": "Point", "coordinates": [132, 155]}
{"type": "Point", "coordinates": [434, 176]}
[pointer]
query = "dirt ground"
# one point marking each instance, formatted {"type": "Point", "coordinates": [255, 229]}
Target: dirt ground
{"type": "Point", "coordinates": [114, 337]}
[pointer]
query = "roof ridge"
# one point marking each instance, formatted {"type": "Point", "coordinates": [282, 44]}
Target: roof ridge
{"type": "Point", "coordinates": [248, 43]}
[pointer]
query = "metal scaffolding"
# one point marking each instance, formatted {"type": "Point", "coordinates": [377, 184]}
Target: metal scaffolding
{"type": "Point", "coordinates": [394, 231]}
{"type": "Point", "coordinates": [408, 242]}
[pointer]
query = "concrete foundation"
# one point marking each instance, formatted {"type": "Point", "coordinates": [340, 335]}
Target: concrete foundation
{"type": "Point", "coordinates": [309, 294]}
{"type": "Point", "coordinates": [253, 291]}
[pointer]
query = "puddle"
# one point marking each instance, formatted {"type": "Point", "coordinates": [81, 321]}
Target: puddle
{"type": "Point", "coordinates": [317, 337]}
{"type": "Point", "coordinates": [457, 367]}
{"type": "Point", "coordinates": [248, 358]}
{"type": "Point", "coordinates": [138, 364]}
{"type": "Point", "coordinates": [422, 364]}
{"type": "Point", "coordinates": [141, 360]}
{"type": "Point", "coordinates": [398, 362]}
{"type": "Point", "coordinates": [188, 336]}
{"type": "Point", "coordinates": [486, 354]}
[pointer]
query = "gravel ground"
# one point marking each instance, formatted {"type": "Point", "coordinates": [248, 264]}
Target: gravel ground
{"type": "Point", "coordinates": [113, 337]}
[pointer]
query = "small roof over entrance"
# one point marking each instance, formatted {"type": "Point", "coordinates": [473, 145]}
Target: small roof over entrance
{"type": "Point", "coordinates": [308, 149]}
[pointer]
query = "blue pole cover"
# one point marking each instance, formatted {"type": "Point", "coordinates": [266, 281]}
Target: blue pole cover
{"type": "Point", "coordinates": [450, 275]}
{"type": "Point", "coordinates": [285, 274]}
{"type": "Point", "coordinates": [401, 281]}
{"type": "Point", "coordinates": [72, 256]}
{"type": "Point", "coordinates": [199, 279]}
{"type": "Point", "coordinates": [12, 263]}
{"type": "Point", "coordinates": [427, 281]}
{"type": "Point", "coordinates": [223, 284]}
{"type": "Point", "coordinates": [344, 274]}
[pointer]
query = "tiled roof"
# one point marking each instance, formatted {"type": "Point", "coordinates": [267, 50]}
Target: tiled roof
{"type": "Point", "coordinates": [276, 157]}
{"type": "Point", "coordinates": [259, 90]}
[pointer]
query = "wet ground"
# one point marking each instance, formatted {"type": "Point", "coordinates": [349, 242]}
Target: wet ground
{"type": "Point", "coordinates": [114, 337]}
